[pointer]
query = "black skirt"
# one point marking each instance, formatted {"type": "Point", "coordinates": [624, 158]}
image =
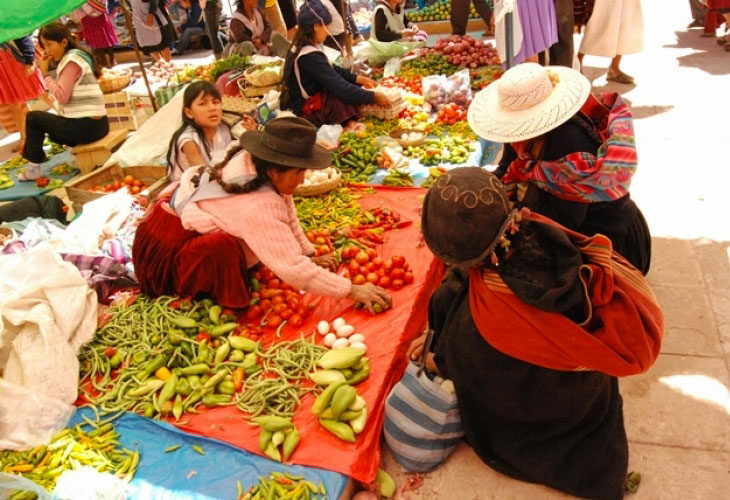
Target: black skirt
{"type": "Point", "coordinates": [167, 33]}
{"type": "Point", "coordinates": [561, 429]}
{"type": "Point", "coordinates": [289, 13]}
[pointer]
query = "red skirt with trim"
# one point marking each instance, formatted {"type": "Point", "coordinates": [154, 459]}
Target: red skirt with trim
{"type": "Point", "coordinates": [170, 260]}
{"type": "Point", "coordinates": [15, 84]}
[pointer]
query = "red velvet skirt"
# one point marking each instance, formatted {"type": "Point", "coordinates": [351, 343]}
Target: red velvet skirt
{"type": "Point", "coordinates": [170, 260]}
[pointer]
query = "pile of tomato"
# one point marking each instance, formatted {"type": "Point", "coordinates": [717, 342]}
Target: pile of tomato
{"type": "Point", "coordinates": [320, 238]}
{"type": "Point", "coordinates": [450, 114]}
{"type": "Point", "coordinates": [410, 84]}
{"type": "Point", "coordinates": [365, 266]}
{"type": "Point", "coordinates": [134, 186]}
{"type": "Point", "coordinates": [273, 302]}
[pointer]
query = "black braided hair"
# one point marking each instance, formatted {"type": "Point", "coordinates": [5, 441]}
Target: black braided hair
{"type": "Point", "coordinates": [262, 166]}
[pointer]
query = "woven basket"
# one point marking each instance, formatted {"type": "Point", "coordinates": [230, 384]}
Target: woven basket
{"type": "Point", "coordinates": [396, 133]}
{"type": "Point", "coordinates": [257, 82]}
{"type": "Point", "coordinates": [115, 84]}
{"type": "Point", "coordinates": [320, 188]}
{"type": "Point", "coordinates": [389, 113]}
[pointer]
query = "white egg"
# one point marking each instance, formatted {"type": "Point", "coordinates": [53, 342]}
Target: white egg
{"type": "Point", "coordinates": [357, 337]}
{"type": "Point", "coordinates": [330, 339]}
{"type": "Point", "coordinates": [404, 137]}
{"type": "Point", "coordinates": [358, 345]}
{"type": "Point", "coordinates": [340, 343]}
{"type": "Point", "coordinates": [323, 327]}
{"type": "Point", "coordinates": [338, 323]}
{"type": "Point", "coordinates": [345, 331]}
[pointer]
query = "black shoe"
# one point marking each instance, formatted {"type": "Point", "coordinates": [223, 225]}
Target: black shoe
{"type": "Point", "coordinates": [697, 23]}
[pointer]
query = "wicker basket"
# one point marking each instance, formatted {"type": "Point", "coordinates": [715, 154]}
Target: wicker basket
{"type": "Point", "coordinates": [109, 85]}
{"type": "Point", "coordinates": [252, 79]}
{"type": "Point", "coordinates": [396, 134]}
{"type": "Point", "coordinates": [319, 188]}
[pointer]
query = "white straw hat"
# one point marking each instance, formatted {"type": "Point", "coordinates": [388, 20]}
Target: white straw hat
{"type": "Point", "coordinates": [527, 101]}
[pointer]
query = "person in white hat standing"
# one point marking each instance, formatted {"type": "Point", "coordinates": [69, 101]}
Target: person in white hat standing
{"type": "Point", "coordinates": [571, 154]}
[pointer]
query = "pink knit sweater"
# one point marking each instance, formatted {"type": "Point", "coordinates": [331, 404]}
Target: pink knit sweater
{"type": "Point", "coordinates": [267, 224]}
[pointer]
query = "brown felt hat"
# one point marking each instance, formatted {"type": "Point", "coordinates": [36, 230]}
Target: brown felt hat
{"type": "Point", "coordinates": [288, 141]}
{"type": "Point", "coordinates": [464, 216]}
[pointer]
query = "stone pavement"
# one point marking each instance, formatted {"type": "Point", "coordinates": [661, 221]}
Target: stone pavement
{"type": "Point", "coordinates": [678, 414]}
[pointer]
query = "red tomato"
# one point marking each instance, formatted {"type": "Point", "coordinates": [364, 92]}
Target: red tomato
{"type": "Point", "coordinates": [310, 236]}
{"type": "Point", "coordinates": [378, 262]}
{"type": "Point", "coordinates": [323, 249]}
{"type": "Point", "coordinates": [256, 295]}
{"type": "Point", "coordinates": [109, 352]}
{"type": "Point", "coordinates": [278, 299]}
{"type": "Point", "coordinates": [129, 180]}
{"type": "Point", "coordinates": [408, 278]}
{"type": "Point", "coordinates": [293, 302]}
{"type": "Point", "coordinates": [320, 241]}
{"type": "Point", "coordinates": [359, 279]}
{"type": "Point", "coordinates": [398, 260]}
{"type": "Point", "coordinates": [137, 183]}
{"type": "Point", "coordinates": [280, 307]}
{"type": "Point", "coordinates": [273, 283]}
{"type": "Point", "coordinates": [274, 321]}
{"type": "Point", "coordinates": [397, 284]}
{"type": "Point", "coordinates": [372, 278]}
{"type": "Point", "coordinates": [397, 273]}
{"type": "Point", "coordinates": [203, 336]}
{"type": "Point", "coordinates": [370, 267]}
{"type": "Point", "coordinates": [363, 270]}
{"type": "Point", "coordinates": [135, 189]}
{"type": "Point", "coordinates": [302, 310]}
{"type": "Point", "coordinates": [296, 320]}
{"type": "Point", "coordinates": [286, 314]}
{"type": "Point", "coordinates": [371, 253]}
{"type": "Point", "coordinates": [354, 267]}
{"type": "Point", "coordinates": [257, 275]}
{"type": "Point", "coordinates": [254, 312]}
{"type": "Point", "coordinates": [227, 312]}
{"type": "Point", "coordinates": [384, 282]}
{"type": "Point", "coordinates": [362, 258]}
{"type": "Point", "coordinates": [346, 272]}
{"type": "Point", "coordinates": [266, 304]}
{"type": "Point", "coordinates": [388, 265]}
{"type": "Point", "coordinates": [323, 232]}
{"type": "Point", "coordinates": [380, 272]}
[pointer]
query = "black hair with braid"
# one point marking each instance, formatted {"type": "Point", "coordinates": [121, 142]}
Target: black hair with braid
{"type": "Point", "coordinates": [262, 167]}
{"type": "Point", "coordinates": [192, 92]}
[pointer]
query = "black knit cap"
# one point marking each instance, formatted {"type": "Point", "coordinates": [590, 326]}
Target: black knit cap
{"type": "Point", "coordinates": [464, 216]}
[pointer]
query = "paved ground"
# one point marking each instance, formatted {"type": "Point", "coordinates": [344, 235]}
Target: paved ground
{"type": "Point", "coordinates": [677, 415]}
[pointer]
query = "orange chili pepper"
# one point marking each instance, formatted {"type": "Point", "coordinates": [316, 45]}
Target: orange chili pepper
{"type": "Point", "coordinates": [237, 378]}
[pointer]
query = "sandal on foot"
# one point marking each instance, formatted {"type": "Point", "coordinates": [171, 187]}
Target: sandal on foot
{"type": "Point", "coordinates": [620, 77]}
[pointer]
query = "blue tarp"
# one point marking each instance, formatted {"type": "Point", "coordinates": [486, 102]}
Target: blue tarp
{"type": "Point", "coordinates": [164, 476]}
{"type": "Point", "coordinates": [25, 189]}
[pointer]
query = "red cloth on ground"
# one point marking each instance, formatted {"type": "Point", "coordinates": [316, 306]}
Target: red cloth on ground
{"type": "Point", "coordinates": [387, 336]}
{"type": "Point", "coordinates": [170, 260]}
{"type": "Point", "coordinates": [621, 337]}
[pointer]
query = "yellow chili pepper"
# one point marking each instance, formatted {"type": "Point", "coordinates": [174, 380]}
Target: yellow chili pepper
{"type": "Point", "coordinates": [163, 373]}
{"type": "Point", "coordinates": [21, 468]}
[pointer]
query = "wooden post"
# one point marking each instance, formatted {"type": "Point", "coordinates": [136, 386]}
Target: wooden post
{"type": "Point", "coordinates": [130, 27]}
{"type": "Point", "coordinates": [348, 36]}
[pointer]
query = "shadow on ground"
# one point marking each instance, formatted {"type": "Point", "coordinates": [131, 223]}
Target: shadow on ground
{"type": "Point", "coordinates": [706, 57]}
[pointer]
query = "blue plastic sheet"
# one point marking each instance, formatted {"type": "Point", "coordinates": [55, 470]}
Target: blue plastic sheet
{"type": "Point", "coordinates": [485, 153]}
{"type": "Point", "coordinates": [25, 189]}
{"type": "Point", "coordinates": [165, 476]}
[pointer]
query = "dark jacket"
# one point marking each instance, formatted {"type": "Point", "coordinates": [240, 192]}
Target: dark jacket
{"type": "Point", "coordinates": [26, 54]}
{"type": "Point", "coordinates": [317, 74]}
{"type": "Point", "coordinates": [195, 17]}
{"type": "Point", "coordinates": [382, 31]}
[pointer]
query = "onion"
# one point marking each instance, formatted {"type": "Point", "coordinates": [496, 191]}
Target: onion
{"type": "Point", "coordinates": [330, 339]}
{"type": "Point", "coordinates": [323, 327]}
{"type": "Point", "coordinates": [340, 344]}
{"type": "Point", "coordinates": [338, 323]}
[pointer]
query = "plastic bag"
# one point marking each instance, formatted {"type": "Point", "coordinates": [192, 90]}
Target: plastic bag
{"type": "Point", "coordinates": [89, 484]}
{"type": "Point", "coordinates": [439, 89]}
{"type": "Point", "coordinates": [329, 135]}
{"type": "Point", "coordinates": [360, 66]}
{"type": "Point", "coordinates": [10, 482]}
{"type": "Point", "coordinates": [380, 52]}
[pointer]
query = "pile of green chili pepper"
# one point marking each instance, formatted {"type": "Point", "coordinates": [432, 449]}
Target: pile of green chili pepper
{"type": "Point", "coordinates": [335, 211]}
{"type": "Point", "coordinates": [283, 486]}
{"type": "Point", "coordinates": [71, 449]}
{"type": "Point", "coordinates": [155, 359]}
{"type": "Point", "coordinates": [356, 156]}
{"type": "Point", "coordinates": [398, 177]}
{"type": "Point", "coordinates": [277, 389]}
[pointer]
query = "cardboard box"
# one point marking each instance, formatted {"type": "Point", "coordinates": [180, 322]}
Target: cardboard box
{"type": "Point", "coordinates": [119, 111]}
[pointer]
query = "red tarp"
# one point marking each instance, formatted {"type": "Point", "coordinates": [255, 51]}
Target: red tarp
{"type": "Point", "coordinates": [387, 337]}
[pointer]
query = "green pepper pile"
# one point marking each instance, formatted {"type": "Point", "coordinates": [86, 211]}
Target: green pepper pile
{"type": "Point", "coordinates": [335, 211]}
{"type": "Point", "coordinates": [156, 360]}
{"type": "Point", "coordinates": [71, 449]}
{"type": "Point", "coordinates": [356, 156]}
{"type": "Point", "coordinates": [281, 486]}
{"type": "Point", "coordinates": [397, 177]}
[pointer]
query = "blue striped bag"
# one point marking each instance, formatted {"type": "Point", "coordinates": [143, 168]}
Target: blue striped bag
{"type": "Point", "coordinates": [422, 421]}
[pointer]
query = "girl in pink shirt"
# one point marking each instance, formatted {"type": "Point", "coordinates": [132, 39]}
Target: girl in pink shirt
{"type": "Point", "coordinates": [221, 221]}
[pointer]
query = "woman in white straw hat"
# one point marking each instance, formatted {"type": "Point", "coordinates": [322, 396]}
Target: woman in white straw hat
{"type": "Point", "coordinates": [569, 155]}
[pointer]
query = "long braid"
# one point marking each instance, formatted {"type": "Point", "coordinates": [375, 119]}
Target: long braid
{"type": "Point", "coordinates": [216, 174]}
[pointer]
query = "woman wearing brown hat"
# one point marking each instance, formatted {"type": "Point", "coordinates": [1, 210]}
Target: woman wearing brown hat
{"type": "Point", "coordinates": [222, 220]}
{"type": "Point", "coordinates": [568, 154]}
{"type": "Point", "coordinates": [534, 330]}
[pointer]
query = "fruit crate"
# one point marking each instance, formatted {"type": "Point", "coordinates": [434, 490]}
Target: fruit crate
{"type": "Point", "coordinates": [79, 190]}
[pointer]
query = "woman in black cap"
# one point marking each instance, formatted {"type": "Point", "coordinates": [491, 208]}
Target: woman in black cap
{"type": "Point", "coordinates": [222, 220]}
{"type": "Point", "coordinates": [534, 330]}
{"type": "Point", "coordinates": [315, 89]}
